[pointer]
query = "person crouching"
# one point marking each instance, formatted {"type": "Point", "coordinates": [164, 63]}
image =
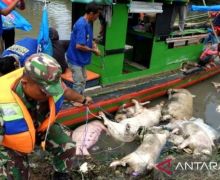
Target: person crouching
{"type": "Point", "coordinates": [208, 55]}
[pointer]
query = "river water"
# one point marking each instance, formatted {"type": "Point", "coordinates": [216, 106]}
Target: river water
{"type": "Point", "coordinates": [205, 102]}
{"type": "Point", "coordinates": [59, 14]}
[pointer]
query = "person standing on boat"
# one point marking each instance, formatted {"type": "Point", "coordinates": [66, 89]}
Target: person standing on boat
{"type": "Point", "coordinates": [180, 9]}
{"type": "Point", "coordinates": [29, 102]}
{"type": "Point", "coordinates": [5, 12]}
{"type": "Point", "coordinates": [82, 46]}
{"type": "Point", "coordinates": [216, 24]}
{"type": "Point", "coordinates": [59, 50]}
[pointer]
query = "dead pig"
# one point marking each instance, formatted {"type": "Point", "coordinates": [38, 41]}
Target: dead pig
{"type": "Point", "coordinates": [86, 136]}
{"type": "Point", "coordinates": [148, 118]}
{"type": "Point", "coordinates": [146, 154]}
{"type": "Point", "coordinates": [179, 105]}
{"type": "Point", "coordinates": [194, 137]}
{"type": "Point", "coordinates": [124, 113]}
{"type": "Point", "coordinates": [120, 132]}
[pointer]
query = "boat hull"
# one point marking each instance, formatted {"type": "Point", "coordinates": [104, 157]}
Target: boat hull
{"type": "Point", "coordinates": [149, 90]}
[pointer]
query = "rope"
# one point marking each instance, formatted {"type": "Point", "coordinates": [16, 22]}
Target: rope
{"type": "Point", "coordinates": [212, 26]}
{"type": "Point", "coordinates": [43, 143]}
{"type": "Point", "coordinates": [109, 114]}
{"type": "Point", "coordinates": [86, 128]}
{"type": "Point", "coordinates": [88, 110]}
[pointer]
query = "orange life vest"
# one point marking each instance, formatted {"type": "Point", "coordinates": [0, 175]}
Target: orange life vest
{"type": "Point", "coordinates": [19, 130]}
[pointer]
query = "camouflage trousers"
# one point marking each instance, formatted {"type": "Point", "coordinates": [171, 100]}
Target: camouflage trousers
{"type": "Point", "coordinates": [14, 165]}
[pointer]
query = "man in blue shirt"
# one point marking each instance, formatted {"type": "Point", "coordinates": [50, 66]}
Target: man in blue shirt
{"type": "Point", "coordinates": [82, 46]}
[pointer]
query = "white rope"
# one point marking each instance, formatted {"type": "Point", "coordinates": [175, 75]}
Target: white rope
{"type": "Point", "coordinates": [85, 130]}
{"type": "Point", "coordinates": [87, 109]}
{"type": "Point", "coordinates": [105, 150]}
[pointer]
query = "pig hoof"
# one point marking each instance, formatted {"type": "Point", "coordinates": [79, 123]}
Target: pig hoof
{"type": "Point", "coordinates": [117, 163]}
{"type": "Point", "coordinates": [187, 150]}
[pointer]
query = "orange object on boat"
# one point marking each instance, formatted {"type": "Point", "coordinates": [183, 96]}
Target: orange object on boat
{"type": "Point", "coordinates": [20, 5]}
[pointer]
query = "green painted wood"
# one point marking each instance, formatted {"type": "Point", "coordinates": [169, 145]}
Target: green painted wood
{"type": "Point", "coordinates": [161, 58]}
{"type": "Point", "coordinates": [116, 30]}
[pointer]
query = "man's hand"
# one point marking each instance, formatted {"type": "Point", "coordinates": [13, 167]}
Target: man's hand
{"type": "Point", "coordinates": [95, 49]}
{"type": "Point", "coordinates": [97, 52]}
{"type": "Point", "coordinates": [87, 100]}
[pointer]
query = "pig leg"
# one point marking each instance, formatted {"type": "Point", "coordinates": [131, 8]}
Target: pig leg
{"type": "Point", "coordinates": [184, 144]}
{"type": "Point", "coordinates": [175, 131]}
{"type": "Point", "coordinates": [150, 165]}
{"type": "Point", "coordinates": [137, 107]}
{"type": "Point", "coordinates": [167, 117]}
{"type": "Point", "coordinates": [102, 115]}
{"type": "Point", "coordinates": [82, 150]}
{"type": "Point", "coordinates": [117, 163]}
{"type": "Point", "coordinates": [206, 152]}
{"type": "Point", "coordinates": [144, 103]}
{"type": "Point", "coordinates": [187, 150]}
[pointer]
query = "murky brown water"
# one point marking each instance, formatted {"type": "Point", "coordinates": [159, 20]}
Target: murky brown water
{"type": "Point", "coordinates": [59, 13]}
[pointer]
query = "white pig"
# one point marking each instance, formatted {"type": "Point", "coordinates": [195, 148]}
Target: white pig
{"type": "Point", "coordinates": [179, 105]}
{"type": "Point", "coordinates": [124, 113]}
{"type": "Point", "coordinates": [118, 131]}
{"type": "Point", "coordinates": [148, 118]}
{"type": "Point", "coordinates": [195, 137]}
{"type": "Point", "coordinates": [145, 156]}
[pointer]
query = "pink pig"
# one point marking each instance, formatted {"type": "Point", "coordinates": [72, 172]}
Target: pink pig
{"type": "Point", "coordinates": [86, 136]}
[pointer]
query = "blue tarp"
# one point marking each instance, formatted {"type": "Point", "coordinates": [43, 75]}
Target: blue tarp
{"type": "Point", "coordinates": [14, 20]}
{"type": "Point", "coordinates": [97, 1]}
{"type": "Point", "coordinates": [205, 8]}
{"type": "Point", "coordinates": [44, 42]}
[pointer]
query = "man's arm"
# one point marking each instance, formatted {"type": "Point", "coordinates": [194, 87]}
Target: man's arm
{"type": "Point", "coordinates": [88, 49]}
{"type": "Point", "coordinates": [72, 95]}
{"type": "Point", "coordinates": [81, 40]}
{"type": "Point", "coordinates": [8, 9]}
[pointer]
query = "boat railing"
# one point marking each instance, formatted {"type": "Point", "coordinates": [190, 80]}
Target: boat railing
{"type": "Point", "coordinates": [186, 40]}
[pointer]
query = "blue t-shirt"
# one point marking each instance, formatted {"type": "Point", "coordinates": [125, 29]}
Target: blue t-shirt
{"type": "Point", "coordinates": [23, 49]}
{"type": "Point", "coordinates": [82, 34]}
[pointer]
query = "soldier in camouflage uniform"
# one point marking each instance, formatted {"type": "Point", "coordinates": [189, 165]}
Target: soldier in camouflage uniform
{"type": "Point", "coordinates": [35, 86]}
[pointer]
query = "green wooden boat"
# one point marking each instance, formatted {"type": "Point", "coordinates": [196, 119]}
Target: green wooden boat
{"type": "Point", "coordinates": [138, 60]}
